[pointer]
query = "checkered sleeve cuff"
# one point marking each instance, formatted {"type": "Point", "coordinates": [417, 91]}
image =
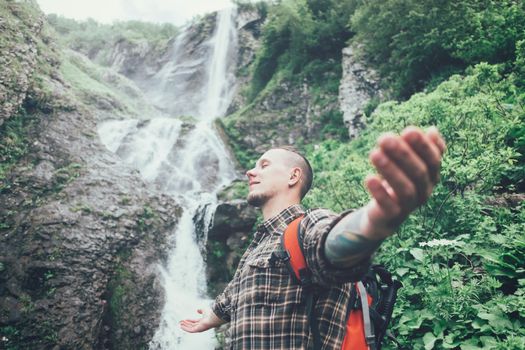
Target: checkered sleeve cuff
{"type": "Point", "coordinates": [324, 273]}
{"type": "Point", "coordinates": [220, 309]}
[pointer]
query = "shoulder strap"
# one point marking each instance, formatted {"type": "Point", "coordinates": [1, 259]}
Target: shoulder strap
{"type": "Point", "coordinates": [292, 244]}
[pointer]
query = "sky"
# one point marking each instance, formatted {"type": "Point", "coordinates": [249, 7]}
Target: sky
{"type": "Point", "coordinates": [177, 12]}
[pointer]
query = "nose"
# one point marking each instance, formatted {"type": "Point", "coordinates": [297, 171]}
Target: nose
{"type": "Point", "coordinates": [250, 173]}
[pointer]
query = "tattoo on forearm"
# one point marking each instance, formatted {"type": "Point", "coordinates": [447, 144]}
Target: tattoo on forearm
{"type": "Point", "coordinates": [344, 247]}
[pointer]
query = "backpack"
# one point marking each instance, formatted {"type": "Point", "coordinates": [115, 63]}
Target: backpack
{"type": "Point", "coordinates": [371, 300]}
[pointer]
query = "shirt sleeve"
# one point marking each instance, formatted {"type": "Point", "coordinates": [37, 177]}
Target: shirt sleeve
{"type": "Point", "coordinates": [222, 304]}
{"type": "Point", "coordinates": [315, 227]}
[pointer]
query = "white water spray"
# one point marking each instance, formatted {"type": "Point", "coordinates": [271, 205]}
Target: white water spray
{"type": "Point", "coordinates": [190, 167]}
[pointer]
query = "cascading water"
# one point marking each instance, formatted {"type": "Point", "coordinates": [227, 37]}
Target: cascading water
{"type": "Point", "coordinates": [190, 167]}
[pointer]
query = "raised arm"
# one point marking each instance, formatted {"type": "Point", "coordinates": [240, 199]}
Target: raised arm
{"type": "Point", "coordinates": [407, 170]}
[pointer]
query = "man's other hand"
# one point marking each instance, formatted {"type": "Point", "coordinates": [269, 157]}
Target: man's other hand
{"type": "Point", "coordinates": [207, 321]}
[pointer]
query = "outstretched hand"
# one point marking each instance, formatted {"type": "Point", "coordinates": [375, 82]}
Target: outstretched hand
{"type": "Point", "coordinates": [407, 170]}
{"type": "Point", "coordinates": [207, 321]}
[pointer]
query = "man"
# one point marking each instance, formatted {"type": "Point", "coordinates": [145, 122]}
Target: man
{"type": "Point", "coordinates": [263, 304]}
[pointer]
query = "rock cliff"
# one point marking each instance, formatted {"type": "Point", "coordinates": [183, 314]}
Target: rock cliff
{"type": "Point", "coordinates": [358, 88]}
{"type": "Point", "coordinates": [80, 232]}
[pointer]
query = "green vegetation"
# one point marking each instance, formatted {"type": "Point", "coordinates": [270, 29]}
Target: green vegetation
{"type": "Point", "coordinates": [144, 220]}
{"type": "Point", "coordinates": [96, 40]}
{"type": "Point", "coordinates": [119, 287]}
{"type": "Point", "coordinates": [238, 189]}
{"type": "Point", "coordinates": [14, 143]}
{"type": "Point", "coordinates": [83, 208]}
{"type": "Point", "coordinates": [28, 58]}
{"type": "Point", "coordinates": [244, 155]}
{"type": "Point", "coordinates": [101, 87]}
{"type": "Point", "coordinates": [65, 175]}
{"type": "Point", "coordinates": [302, 40]}
{"type": "Point", "coordinates": [460, 257]}
{"type": "Point", "coordinates": [10, 337]}
{"type": "Point", "coordinates": [412, 41]}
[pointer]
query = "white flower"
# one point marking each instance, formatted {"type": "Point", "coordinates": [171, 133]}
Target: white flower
{"type": "Point", "coordinates": [441, 242]}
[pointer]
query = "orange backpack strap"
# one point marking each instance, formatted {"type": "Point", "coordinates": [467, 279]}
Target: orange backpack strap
{"type": "Point", "coordinates": [292, 244]}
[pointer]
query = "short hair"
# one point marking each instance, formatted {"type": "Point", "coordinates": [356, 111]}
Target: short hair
{"type": "Point", "coordinates": [305, 166]}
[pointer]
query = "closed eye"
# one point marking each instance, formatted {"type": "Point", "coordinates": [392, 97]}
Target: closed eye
{"type": "Point", "coordinates": [262, 163]}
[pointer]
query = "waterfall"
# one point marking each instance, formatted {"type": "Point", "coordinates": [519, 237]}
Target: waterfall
{"type": "Point", "coordinates": [192, 166]}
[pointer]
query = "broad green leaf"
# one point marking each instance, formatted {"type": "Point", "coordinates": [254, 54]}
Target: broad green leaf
{"type": "Point", "coordinates": [429, 340]}
{"type": "Point", "coordinates": [439, 328]}
{"type": "Point", "coordinates": [470, 344]}
{"type": "Point", "coordinates": [489, 342]}
{"type": "Point", "coordinates": [417, 253]}
{"type": "Point", "coordinates": [497, 321]}
{"type": "Point", "coordinates": [401, 271]}
{"type": "Point", "coordinates": [500, 239]}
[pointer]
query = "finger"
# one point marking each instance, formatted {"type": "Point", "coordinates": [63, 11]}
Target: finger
{"type": "Point", "coordinates": [387, 206]}
{"type": "Point", "coordinates": [389, 190]}
{"type": "Point", "coordinates": [434, 134]}
{"type": "Point", "coordinates": [409, 162]}
{"type": "Point", "coordinates": [189, 329]}
{"type": "Point", "coordinates": [191, 320]}
{"type": "Point", "coordinates": [425, 149]}
{"type": "Point", "coordinates": [403, 187]}
{"type": "Point", "coordinates": [186, 326]}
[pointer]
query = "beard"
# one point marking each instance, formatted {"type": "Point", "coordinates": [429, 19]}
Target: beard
{"type": "Point", "coordinates": [256, 199]}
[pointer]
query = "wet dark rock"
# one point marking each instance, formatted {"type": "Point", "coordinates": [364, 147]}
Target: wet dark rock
{"type": "Point", "coordinates": [201, 220]}
{"type": "Point", "coordinates": [233, 216]}
{"type": "Point", "coordinates": [11, 310]}
{"type": "Point", "coordinates": [229, 234]}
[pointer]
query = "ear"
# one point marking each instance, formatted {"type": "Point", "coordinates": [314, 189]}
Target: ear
{"type": "Point", "coordinates": [295, 176]}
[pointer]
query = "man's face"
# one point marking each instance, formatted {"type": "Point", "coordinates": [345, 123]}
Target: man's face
{"type": "Point", "coordinates": [269, 176]}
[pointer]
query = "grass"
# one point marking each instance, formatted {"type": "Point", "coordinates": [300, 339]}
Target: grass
{"type": "Point", "coordinates": [93, 83]}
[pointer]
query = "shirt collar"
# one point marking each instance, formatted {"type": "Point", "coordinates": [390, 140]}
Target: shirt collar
{"type": "Point", "coordinates": [278, 223]}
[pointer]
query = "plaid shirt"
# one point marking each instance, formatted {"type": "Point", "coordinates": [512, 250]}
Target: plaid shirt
{"type": "Point", "coordinates": [266, 308]}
